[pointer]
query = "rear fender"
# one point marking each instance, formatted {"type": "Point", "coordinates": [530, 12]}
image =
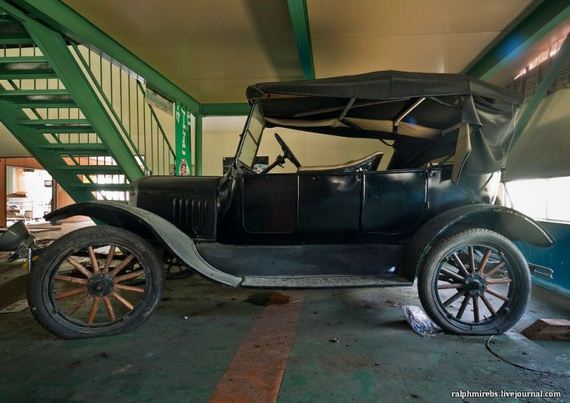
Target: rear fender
{"type": "Point", "coordinates": [147, 225]}
{"type": "Point", "coordinates": [508, 222]}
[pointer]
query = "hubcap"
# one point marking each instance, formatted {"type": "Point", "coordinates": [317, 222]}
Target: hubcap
{"type": "Point", "coordinates": [88, 281]}
{"type": "Point", "coordinates": [474, 284]}
{"type": "Point", "coordinates": [100, 284]}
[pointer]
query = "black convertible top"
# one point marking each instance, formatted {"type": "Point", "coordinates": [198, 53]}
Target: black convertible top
{"type": "Point", "coordinates": [385, 85]}
{"type": "Point", "coordinates": [430, 117]}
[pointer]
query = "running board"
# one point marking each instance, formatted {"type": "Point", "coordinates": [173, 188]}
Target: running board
{"type": "Point", "coordinates": [330, 281]}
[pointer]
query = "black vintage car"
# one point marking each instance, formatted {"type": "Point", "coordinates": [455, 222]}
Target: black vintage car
{"type": "Point", "coordinates": [431, 215]}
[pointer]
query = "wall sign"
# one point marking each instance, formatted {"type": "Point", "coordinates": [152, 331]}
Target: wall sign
{"type": "Point", "coordinates": [182, 136]}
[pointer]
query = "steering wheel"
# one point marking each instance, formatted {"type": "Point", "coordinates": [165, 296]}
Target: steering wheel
{"type": "Point", "coordinates": [287, 153]}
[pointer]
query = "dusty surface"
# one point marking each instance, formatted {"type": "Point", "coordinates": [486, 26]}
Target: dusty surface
{"type": "Point", "coordinates": [349, 345]}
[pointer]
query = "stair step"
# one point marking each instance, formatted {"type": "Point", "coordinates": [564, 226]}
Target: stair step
{"type": "Point", "coordinates": [93, 169]}
{"type": "Point", "coordinates": [59, 125]}
{"type": "Point", "coordinates": [15, 39]}
{"type": "Point", "coordinates": [13, 32]}
{"type": "Point", "coordinates": [103, 186]}
{"type": "Point", "coordinates": [25, 67]}
{"type": "Point", "coordinates": [39, 98]}
{"type": "Point", "coordinates": [78, 149]}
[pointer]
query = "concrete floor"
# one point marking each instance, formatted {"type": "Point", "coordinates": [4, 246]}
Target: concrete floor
{"type": "Point", "coordinates": [349, 346]}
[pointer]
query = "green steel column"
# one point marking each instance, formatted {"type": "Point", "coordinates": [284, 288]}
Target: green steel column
{"type": "Point", "coordinates": [300, 22]}
{"type": "Point", "coordinates": [529, 30]}
{"type": "Point", "coordinates": [198, 144]}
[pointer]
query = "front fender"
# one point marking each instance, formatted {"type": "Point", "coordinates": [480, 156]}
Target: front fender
{"type": "Point", "coordinates": [508, 222]}
{"type": "Point", "coordinates": [146, 223]}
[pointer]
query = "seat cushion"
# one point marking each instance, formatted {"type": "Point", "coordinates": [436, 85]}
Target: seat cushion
{"type": "Point", "coordinates": [367, 163]}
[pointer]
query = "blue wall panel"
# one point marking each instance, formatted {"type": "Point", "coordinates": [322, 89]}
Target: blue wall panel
{"type": "Point", "coordinates": [556, 257]}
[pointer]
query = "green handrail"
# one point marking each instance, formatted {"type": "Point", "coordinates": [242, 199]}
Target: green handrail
{"type": "Point", "coordinates": [153, 160]}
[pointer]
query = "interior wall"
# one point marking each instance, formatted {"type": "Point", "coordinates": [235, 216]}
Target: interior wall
{"type": "Point", "coordinates": [62, 198]}
{"type": "Point", "coordinates": [221, 137]}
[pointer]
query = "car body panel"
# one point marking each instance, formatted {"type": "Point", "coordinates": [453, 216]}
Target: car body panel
{"type": "Point", "coordinates": [150, 226]}
{"type": "Point", "coordinates": [310, 207]}
{"type": "Point", "coordinates": [506, 221]}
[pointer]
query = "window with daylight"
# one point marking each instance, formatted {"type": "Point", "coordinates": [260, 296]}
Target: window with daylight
{"type": "Point", "coordinates": [541, 199]}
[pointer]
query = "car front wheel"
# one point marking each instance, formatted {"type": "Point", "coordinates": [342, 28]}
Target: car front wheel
{"type": "Point", "coordinates": [95, 281]}
{"type": "Point", "coordinates": [475, 282]}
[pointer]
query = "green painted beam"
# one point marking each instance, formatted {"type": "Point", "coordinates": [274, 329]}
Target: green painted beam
{"type": "Point", "coordinates": [198, 145]}
{"type": "Point", "coordinates": [300, 22]}
{"type": "Point", "coordinates": [59, 16]}
{"type": "Point", "coordinates": [54, 47]}
{"type": "Point", "coordinates": [542, 89]}
{"type": "Point", "coordinates": [235, 109]}
{"type": "Point", "coordinates": [530, 29]}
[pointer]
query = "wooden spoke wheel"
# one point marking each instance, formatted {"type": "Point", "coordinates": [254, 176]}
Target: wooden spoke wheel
{"type": "Point", "coordinates": [475, 282]}
{"type": "Point", "coordinates": [95, 281]}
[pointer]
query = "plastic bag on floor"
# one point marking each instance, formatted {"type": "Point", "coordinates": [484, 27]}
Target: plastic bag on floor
{"type": "Point", "coordinates": [419, 321]}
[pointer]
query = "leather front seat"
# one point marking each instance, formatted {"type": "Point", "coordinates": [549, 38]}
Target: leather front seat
{"type": "Point", "coordinates": [367, 163]}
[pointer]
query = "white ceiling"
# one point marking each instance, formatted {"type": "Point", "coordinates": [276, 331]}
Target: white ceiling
{"type": "Point", "coordinates": [429, 36]}
{"type": "Point", "coordinates": [213, 49]}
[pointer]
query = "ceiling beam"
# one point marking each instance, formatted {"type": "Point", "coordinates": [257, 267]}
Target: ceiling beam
{"type": "Point", "coordinates": [300, 22]}
{"type": "Point", "coordinates": [228, 109]}
{"type": "Point", "coordinates": [65, 20]}
{"type": "Point", "coordinates": [529, 30]}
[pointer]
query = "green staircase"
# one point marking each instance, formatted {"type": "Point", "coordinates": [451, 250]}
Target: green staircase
{"type": "Point", "coordinates": [82, 115]}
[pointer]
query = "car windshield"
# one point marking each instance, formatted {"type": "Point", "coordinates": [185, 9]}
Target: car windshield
{"type": "Point", "coordinates": [251, 138]}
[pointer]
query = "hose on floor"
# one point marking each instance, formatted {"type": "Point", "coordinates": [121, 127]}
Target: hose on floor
{"type": "Point", "coordinates": [488, 347]}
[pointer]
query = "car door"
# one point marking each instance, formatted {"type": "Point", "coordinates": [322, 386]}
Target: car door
{"type": "Point", "coordinates": [329, 203]}
{"type": "Point", "coordinates": [393, 202]}
{"type": "Point", "coordinates": [269, 203]}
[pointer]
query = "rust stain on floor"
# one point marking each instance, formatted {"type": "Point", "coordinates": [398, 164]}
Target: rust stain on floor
{"type": "Point", "coordinates": [256, 371]}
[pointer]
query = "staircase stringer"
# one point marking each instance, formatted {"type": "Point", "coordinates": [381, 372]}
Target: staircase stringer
{"type": "Point", "coordinates": [54, 47]}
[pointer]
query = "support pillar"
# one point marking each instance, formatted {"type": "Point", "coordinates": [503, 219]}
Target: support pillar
{"type": "Point", "coordinates": [3, 192]}
{"type": "Point", "coordinates": [198, 144]}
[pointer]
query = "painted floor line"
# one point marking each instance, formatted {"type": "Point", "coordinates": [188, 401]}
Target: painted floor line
{"type": "Point", "coordinates": [256, 371]}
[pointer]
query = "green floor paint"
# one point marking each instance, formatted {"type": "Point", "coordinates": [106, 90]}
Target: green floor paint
{"type": "Point", "coordinates": [378, 359]}
{"type": "Point", "coordinates": [170, 359]}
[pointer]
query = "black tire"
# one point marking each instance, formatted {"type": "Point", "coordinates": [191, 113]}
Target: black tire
{"type": "Point", "coordinates": [45, 304]}
{"type": "Point", "coordinates": [497, 310]}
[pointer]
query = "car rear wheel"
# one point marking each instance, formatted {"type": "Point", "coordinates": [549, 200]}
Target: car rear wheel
{"type": "Point", "coordinates": [475, 282]}
{"type": "Point", "coordinates": [96, 281]}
